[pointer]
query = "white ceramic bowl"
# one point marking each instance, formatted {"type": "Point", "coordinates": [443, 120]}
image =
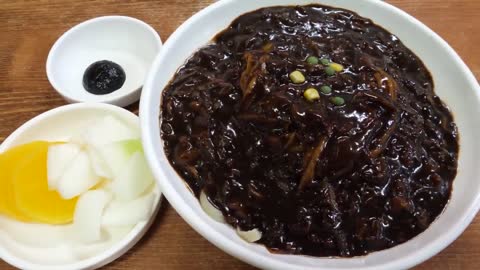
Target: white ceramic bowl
{"type": "Point", "coordinates": [60, 124]}
{"type": "Point", "coordinates": [454, 83]}
{"type": "Point", "coordinates": [127, 41]}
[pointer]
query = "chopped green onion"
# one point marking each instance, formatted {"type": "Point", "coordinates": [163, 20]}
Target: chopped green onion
{"type": "Point", "coordinates": [311, 94]}
{"type": "Point", "coordinates": [337, 101]}
{"type": "Point", "coordinates": [330, 71]}
{"type": "Point", "coordinates": [326, 89]}
{"type": "Point", "coordinates": [324, 61]}
{"type": "Point", "coordinates": [337, 67]}
{"type": "Point", "coordinates": [312, 60]}
{"type": "Point", "coordinates": [297, 77]}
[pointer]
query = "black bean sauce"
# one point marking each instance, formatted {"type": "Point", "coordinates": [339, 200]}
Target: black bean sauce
{"type": "Point", "coordinates": [314, 177]}
{"type": "Point", "coordinates": [103, 77]}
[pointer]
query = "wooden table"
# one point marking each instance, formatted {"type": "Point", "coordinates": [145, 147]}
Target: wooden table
{"type": "Point", "coordinates": [29, 29]}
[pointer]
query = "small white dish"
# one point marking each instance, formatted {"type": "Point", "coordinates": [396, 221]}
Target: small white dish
{"type": "Point", "coordinates": [58, 125]}
{"type": "Point", "coordinates": [127, 41]}
{"type": "Point", "coordinates": [454, 83]}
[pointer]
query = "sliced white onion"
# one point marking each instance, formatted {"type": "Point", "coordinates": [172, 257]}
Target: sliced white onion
{"type": "Point", "coordinates": [77, 178]}
{"type": "Point", "coordinates": [120, 213]}
{"type": "Point", "coordinates": [133, 179]}
{"type": "Point", "coordinates": [39, 256]}
{"type": "Point", "coordinates": [99, 165]}
{"type": "Point", "coordinates": [109, 129]}
{"type": "Point", "coordinates": [34, 234]}
{"type": "Point", "coordinates": [59, 158]}
{"type": "Point", "coordinates": [251, 235]}
{"type": "Point", "coordinates": [111, 158]}
{"type": "Point", "coordinates": [88, 215]}
{"type": "Point", "coordinates": [210, 209]}
{"type": "Point", "coordinates": [112, 236]}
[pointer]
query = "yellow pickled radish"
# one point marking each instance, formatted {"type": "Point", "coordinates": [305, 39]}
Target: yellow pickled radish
{"type": "Point", "coordinates": [3, 201]}
{"type": "Point", "coordinates": [9, 162]}
{"type": "Point", "coordinates": [31, 193]}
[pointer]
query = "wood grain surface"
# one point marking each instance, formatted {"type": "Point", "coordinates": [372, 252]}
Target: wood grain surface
{"type": "Point", "coordinates": [29, 28]}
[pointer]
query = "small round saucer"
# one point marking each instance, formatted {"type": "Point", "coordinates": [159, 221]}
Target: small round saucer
{"type": "Point", "coordinates": [126, 41]}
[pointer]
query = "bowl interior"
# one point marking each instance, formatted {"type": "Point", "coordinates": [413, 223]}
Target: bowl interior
{"type": "Point", "coordinates": [126, 41]}
{"type": "Point", "coordinates": [59, 125]}
{"type": "Point", "coordinates": [454, 83]}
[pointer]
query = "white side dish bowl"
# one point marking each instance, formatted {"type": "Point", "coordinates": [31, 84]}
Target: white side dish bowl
{"type": "Point", "coordinates": [45, 247]}
{"type": "Point", "coordinates": [127, 41]}
{"type": "Point", "coordinates": [454, 83]}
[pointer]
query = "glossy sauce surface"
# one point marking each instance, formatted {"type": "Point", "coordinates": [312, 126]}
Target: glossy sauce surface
{"type": "Point", "coordinates": [103, 77]}
{"type": "Point", "coordinates": [314, 177]}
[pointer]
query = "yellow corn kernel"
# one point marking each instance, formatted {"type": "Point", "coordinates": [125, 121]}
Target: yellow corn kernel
{"type": "Point", "coordinates": [311, 94]}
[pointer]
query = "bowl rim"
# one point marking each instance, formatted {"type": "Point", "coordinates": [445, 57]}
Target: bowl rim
{"type": "Point", "coordinates": [117, 249]}
{"type": "Point", "coordinates": [248, 255]}
{"type": "Point", "coordinates": [126, 98]}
